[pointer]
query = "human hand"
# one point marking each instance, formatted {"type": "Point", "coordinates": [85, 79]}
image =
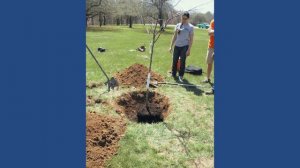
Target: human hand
{"type": "Point", "coordinates": [170, 50]}
{"type": "Point", "coordinates": [211, 32]}
{"type": "Point", "coordinates": [188, 52]}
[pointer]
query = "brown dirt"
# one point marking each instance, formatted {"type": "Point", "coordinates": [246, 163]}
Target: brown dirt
{"type": "Point", "coordinates": [93, 84]}
{"type": "Point", "coordinates": [102, 136]}
{"type": "Point", "coordinates": [136, 75]}
{"type": "Point", "coordinates": [133, 105]}
{"type": "Point", "coordinates": [90, 101]}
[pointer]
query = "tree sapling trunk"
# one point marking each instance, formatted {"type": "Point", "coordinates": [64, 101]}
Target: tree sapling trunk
{"type": "Point", "coordinates": [150, 67]}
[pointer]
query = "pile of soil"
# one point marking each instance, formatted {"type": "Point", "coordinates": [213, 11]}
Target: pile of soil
{"type": "Point", "coordinates": [90, 101]}
{"type": "Point", "coordinates": [136, 75]}
{"type": "Point", "coordinates": [93, 84]}
{"type": "Point", "coordinates": [102, 136]}
{"type": "Point", "coordinates": [133, 105]}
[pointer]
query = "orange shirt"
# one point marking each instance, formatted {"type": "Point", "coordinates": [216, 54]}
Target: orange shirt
{"type": "Point", "coordinates": [211, 43]}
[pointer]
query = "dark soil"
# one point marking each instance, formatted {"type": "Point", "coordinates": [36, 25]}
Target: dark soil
{"type": "Point", "coordinates": [136, 75]}
{"type": "Point", "coordinates": [102, 136]}
{"type": "Point", "coordinates": [133, 105]}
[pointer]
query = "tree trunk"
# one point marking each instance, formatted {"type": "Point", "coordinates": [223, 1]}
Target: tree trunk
{"type": "Point", "coordinates": [86, 21]}
{"type": "Point", "coordinates": [143, 21]}
{"type": "Point", "coordinates": [104, 20]}
{"type": "Point", "coordinates": [118, 21]}
{"type": "Point", "coordinates": [121, 20]}
{"type": "Point", "coordinates": [150, 68]}
{"type": "Point", "coordinates": [92, 20]}
{"type": "Point", "coordinates": [160, 14]}
{"type": "Point", "coordinates": [130, 21]}
{"type": "Point", "coordinates": [100, 19]}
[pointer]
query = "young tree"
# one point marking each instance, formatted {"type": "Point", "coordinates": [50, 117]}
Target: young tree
{"type": "Point", "coordinates": [156, 33]}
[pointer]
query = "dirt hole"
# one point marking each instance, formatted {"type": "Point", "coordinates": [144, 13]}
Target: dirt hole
{"type": "Point", "coordinates": [102, 136]}
{"type": "Point", "coordinates": [133, 105]}
{"type": "Point", "coordinates": [136, 75]}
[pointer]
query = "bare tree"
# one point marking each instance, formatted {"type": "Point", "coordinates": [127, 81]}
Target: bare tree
{"type": "Point", "coordinates": [155, 36]}
{"type": "Point", "coordinates": [128, 9]}
{"type": "Point", "coordinates": [133, 11]}
{"type": "Point", "coordinates": [100, 9]}
{"type": "Point", "coordinates": [161, 9]}
{"type": "Point", "coordinates": [91, 8]}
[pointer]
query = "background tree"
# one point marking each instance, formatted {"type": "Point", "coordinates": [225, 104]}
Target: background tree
{"type": "Point", "coordinates": [161, 7]}
{"type": "Point", "coordinates": [128, 9]}
{"type": "Point", "coordinates": [92, 6]}
{"type": "Point", "coordinates": [197, 17]}
{"type": "Point", "coordinates": [102, 12]}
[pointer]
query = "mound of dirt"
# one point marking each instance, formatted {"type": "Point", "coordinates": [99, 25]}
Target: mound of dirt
{"type": "Point", "coordinates": [90, 101]}
{"type": "Point", "coordinates": [102, 136]}
{"type": "Point", "coordinates": [133, 105]}
{"type": "Point", "coordinates": [93, 84]}
{"type": "Point", "coordinates": [136, 75]}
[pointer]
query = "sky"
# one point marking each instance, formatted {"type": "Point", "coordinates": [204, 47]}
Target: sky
{"type": "Point", "coordinates": [203, 6]}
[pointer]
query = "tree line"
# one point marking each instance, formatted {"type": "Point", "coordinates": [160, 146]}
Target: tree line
{"type": "Point", "coordinates": [129, 12]}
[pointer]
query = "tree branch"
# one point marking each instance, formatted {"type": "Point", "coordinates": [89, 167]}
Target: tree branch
{"type": "Point", "coordinates": [177, 3]}
{"type": "Point", "coordinates": [93, 5]}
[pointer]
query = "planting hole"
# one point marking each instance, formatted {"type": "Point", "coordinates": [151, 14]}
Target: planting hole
{"type": "Point", "coordinates": [133, 105]}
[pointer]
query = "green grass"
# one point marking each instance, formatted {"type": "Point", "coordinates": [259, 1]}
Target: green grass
{"type": "Point", "coordinates": [186, 138]}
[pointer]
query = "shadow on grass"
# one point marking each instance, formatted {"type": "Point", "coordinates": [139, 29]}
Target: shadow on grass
{"type": "Point", "coordinates": [192, 88]}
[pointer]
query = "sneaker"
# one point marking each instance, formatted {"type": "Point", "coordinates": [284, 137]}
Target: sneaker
{"type": "Point", "coordinates": [206, 81]}
{"type": "Point", "coordinates": [212, 92]}
{"type": "Point", "coordinates": [180, 78]}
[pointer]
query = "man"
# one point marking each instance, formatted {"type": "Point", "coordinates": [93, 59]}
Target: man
{"type": "Point", "coordinates": [183, 41]}
{"type": "Point", "coordinates": [211, 51]}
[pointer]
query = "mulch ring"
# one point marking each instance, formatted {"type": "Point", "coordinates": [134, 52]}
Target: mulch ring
{"type": "Point", "coordinates": [136, 75]}
{"type": "Point", "coordinates": [133, 106]}
{"type": "Point", "coordinates": [102, 136]}
{"type": "Point", "coordinates": [90, 101]}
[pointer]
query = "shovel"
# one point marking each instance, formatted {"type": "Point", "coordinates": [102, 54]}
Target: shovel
{"type": "Point", "coordinates": [156, 84]}
{"type": "Point", "coordinates": [112, 82]}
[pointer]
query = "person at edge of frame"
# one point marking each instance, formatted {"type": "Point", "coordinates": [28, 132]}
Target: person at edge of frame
{"type": "Point", "coordinates": [210, 54]}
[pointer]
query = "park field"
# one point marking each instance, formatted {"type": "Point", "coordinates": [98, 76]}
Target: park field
{"type": "Point", "coordinates": [186, 137]}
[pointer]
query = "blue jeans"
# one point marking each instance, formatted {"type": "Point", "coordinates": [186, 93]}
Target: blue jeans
{"type": "Point", "coordinates": [179, 52]}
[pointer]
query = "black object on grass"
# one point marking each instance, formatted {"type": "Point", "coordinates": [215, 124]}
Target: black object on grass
{"type": "Point", "coordinates": [193, 70]}
{"type": "Point", "coordinates": [101, 49]}
{"type": "Point", "coordinates": [141, 49]}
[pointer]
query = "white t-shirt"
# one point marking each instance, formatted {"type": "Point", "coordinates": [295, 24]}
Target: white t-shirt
{"type": "Point", "coordinates": [183, 38]}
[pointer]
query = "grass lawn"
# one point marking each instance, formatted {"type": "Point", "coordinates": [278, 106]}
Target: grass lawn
{"type": "Point", "coordinates": [186, 137]}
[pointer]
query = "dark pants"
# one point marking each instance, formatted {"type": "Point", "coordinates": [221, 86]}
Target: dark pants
{"type": "Point", "coordinates": [179, 52]}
